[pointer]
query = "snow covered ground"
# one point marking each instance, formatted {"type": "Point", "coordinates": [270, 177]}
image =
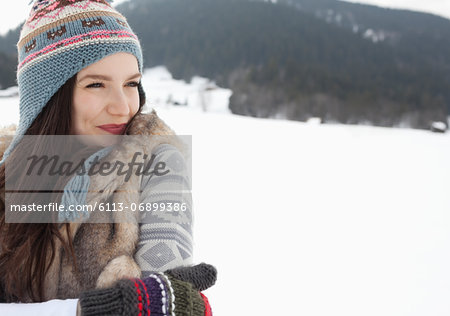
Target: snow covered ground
{"type": "Point", "coordinates": [309, 219]}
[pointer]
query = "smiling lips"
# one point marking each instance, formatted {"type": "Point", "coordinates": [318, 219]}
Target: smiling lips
{"type": "Point", "coordinates": [115, 129]}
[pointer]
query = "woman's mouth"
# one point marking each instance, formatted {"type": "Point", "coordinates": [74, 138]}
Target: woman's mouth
{"type": "Point", "coordinates": [116, 129]}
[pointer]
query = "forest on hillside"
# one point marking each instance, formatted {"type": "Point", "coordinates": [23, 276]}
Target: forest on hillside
{"type": "Point", "coordinates": [288, 60]}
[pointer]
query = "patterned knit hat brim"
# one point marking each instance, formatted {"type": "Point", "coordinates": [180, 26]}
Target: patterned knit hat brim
{"type": "Point", "coordinates": [60, 38]}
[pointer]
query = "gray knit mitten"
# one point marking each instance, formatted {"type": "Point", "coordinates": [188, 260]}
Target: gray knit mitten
{"type": "Point", "coordinates": [201, 276]}
{"type": "Point", "coordinates": [175, 292]}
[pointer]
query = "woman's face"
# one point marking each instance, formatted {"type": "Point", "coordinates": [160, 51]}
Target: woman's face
{"type": "Point", "coordinates": [105, 96]}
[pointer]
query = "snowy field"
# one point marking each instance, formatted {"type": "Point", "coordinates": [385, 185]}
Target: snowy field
{"type": "Point", "coordinates": [309, 219]}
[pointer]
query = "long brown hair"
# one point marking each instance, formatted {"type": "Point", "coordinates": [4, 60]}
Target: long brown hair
{"type": "Point", "coordinates": [28, 250]}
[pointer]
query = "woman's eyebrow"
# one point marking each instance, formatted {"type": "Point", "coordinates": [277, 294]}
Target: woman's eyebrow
{"type": "Point", "coordinates": [101, 77]}
{"type": "Point", "coordinates": [135, 76]}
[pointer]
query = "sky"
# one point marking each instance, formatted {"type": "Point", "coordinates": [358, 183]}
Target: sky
{"type": "Point", "coordinates": [18, 10]}
{"type": "Point", "coordinates": [438, 7]}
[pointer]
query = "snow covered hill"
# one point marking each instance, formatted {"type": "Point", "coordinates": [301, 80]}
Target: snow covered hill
{"type": "Point", "coordinates": [309, 219]}
{"type": "Point", "coordinates": [200, 94]}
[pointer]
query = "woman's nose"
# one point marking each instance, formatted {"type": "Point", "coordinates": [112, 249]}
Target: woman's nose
{"type": "Point", "coordinates": [118, 103]}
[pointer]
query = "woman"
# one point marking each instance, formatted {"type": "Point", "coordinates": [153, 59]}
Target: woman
{"type": "Point", "coordinates": [79, 74]}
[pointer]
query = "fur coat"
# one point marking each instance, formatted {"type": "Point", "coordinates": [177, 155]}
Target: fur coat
{"type": "Point", "coordinates": [104, 251]}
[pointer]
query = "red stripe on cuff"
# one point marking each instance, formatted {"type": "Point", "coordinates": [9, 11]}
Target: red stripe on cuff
{"type": "Point", "coordinates": [208, 311]}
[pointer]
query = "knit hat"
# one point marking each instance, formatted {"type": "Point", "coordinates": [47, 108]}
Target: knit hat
{"type": "Point", "coordinates": [60, 38]}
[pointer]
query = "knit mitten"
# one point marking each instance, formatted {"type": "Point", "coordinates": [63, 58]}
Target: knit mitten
{"type": "Point", "coordinates": [169, 293]}
{"type": "Point", "coordinates": [201, 276]}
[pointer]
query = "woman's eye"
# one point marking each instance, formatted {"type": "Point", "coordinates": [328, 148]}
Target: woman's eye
{"type": "Point", "coordinates": [133, 84]}
{"type": "Point", "coordinates": [95, 85]}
